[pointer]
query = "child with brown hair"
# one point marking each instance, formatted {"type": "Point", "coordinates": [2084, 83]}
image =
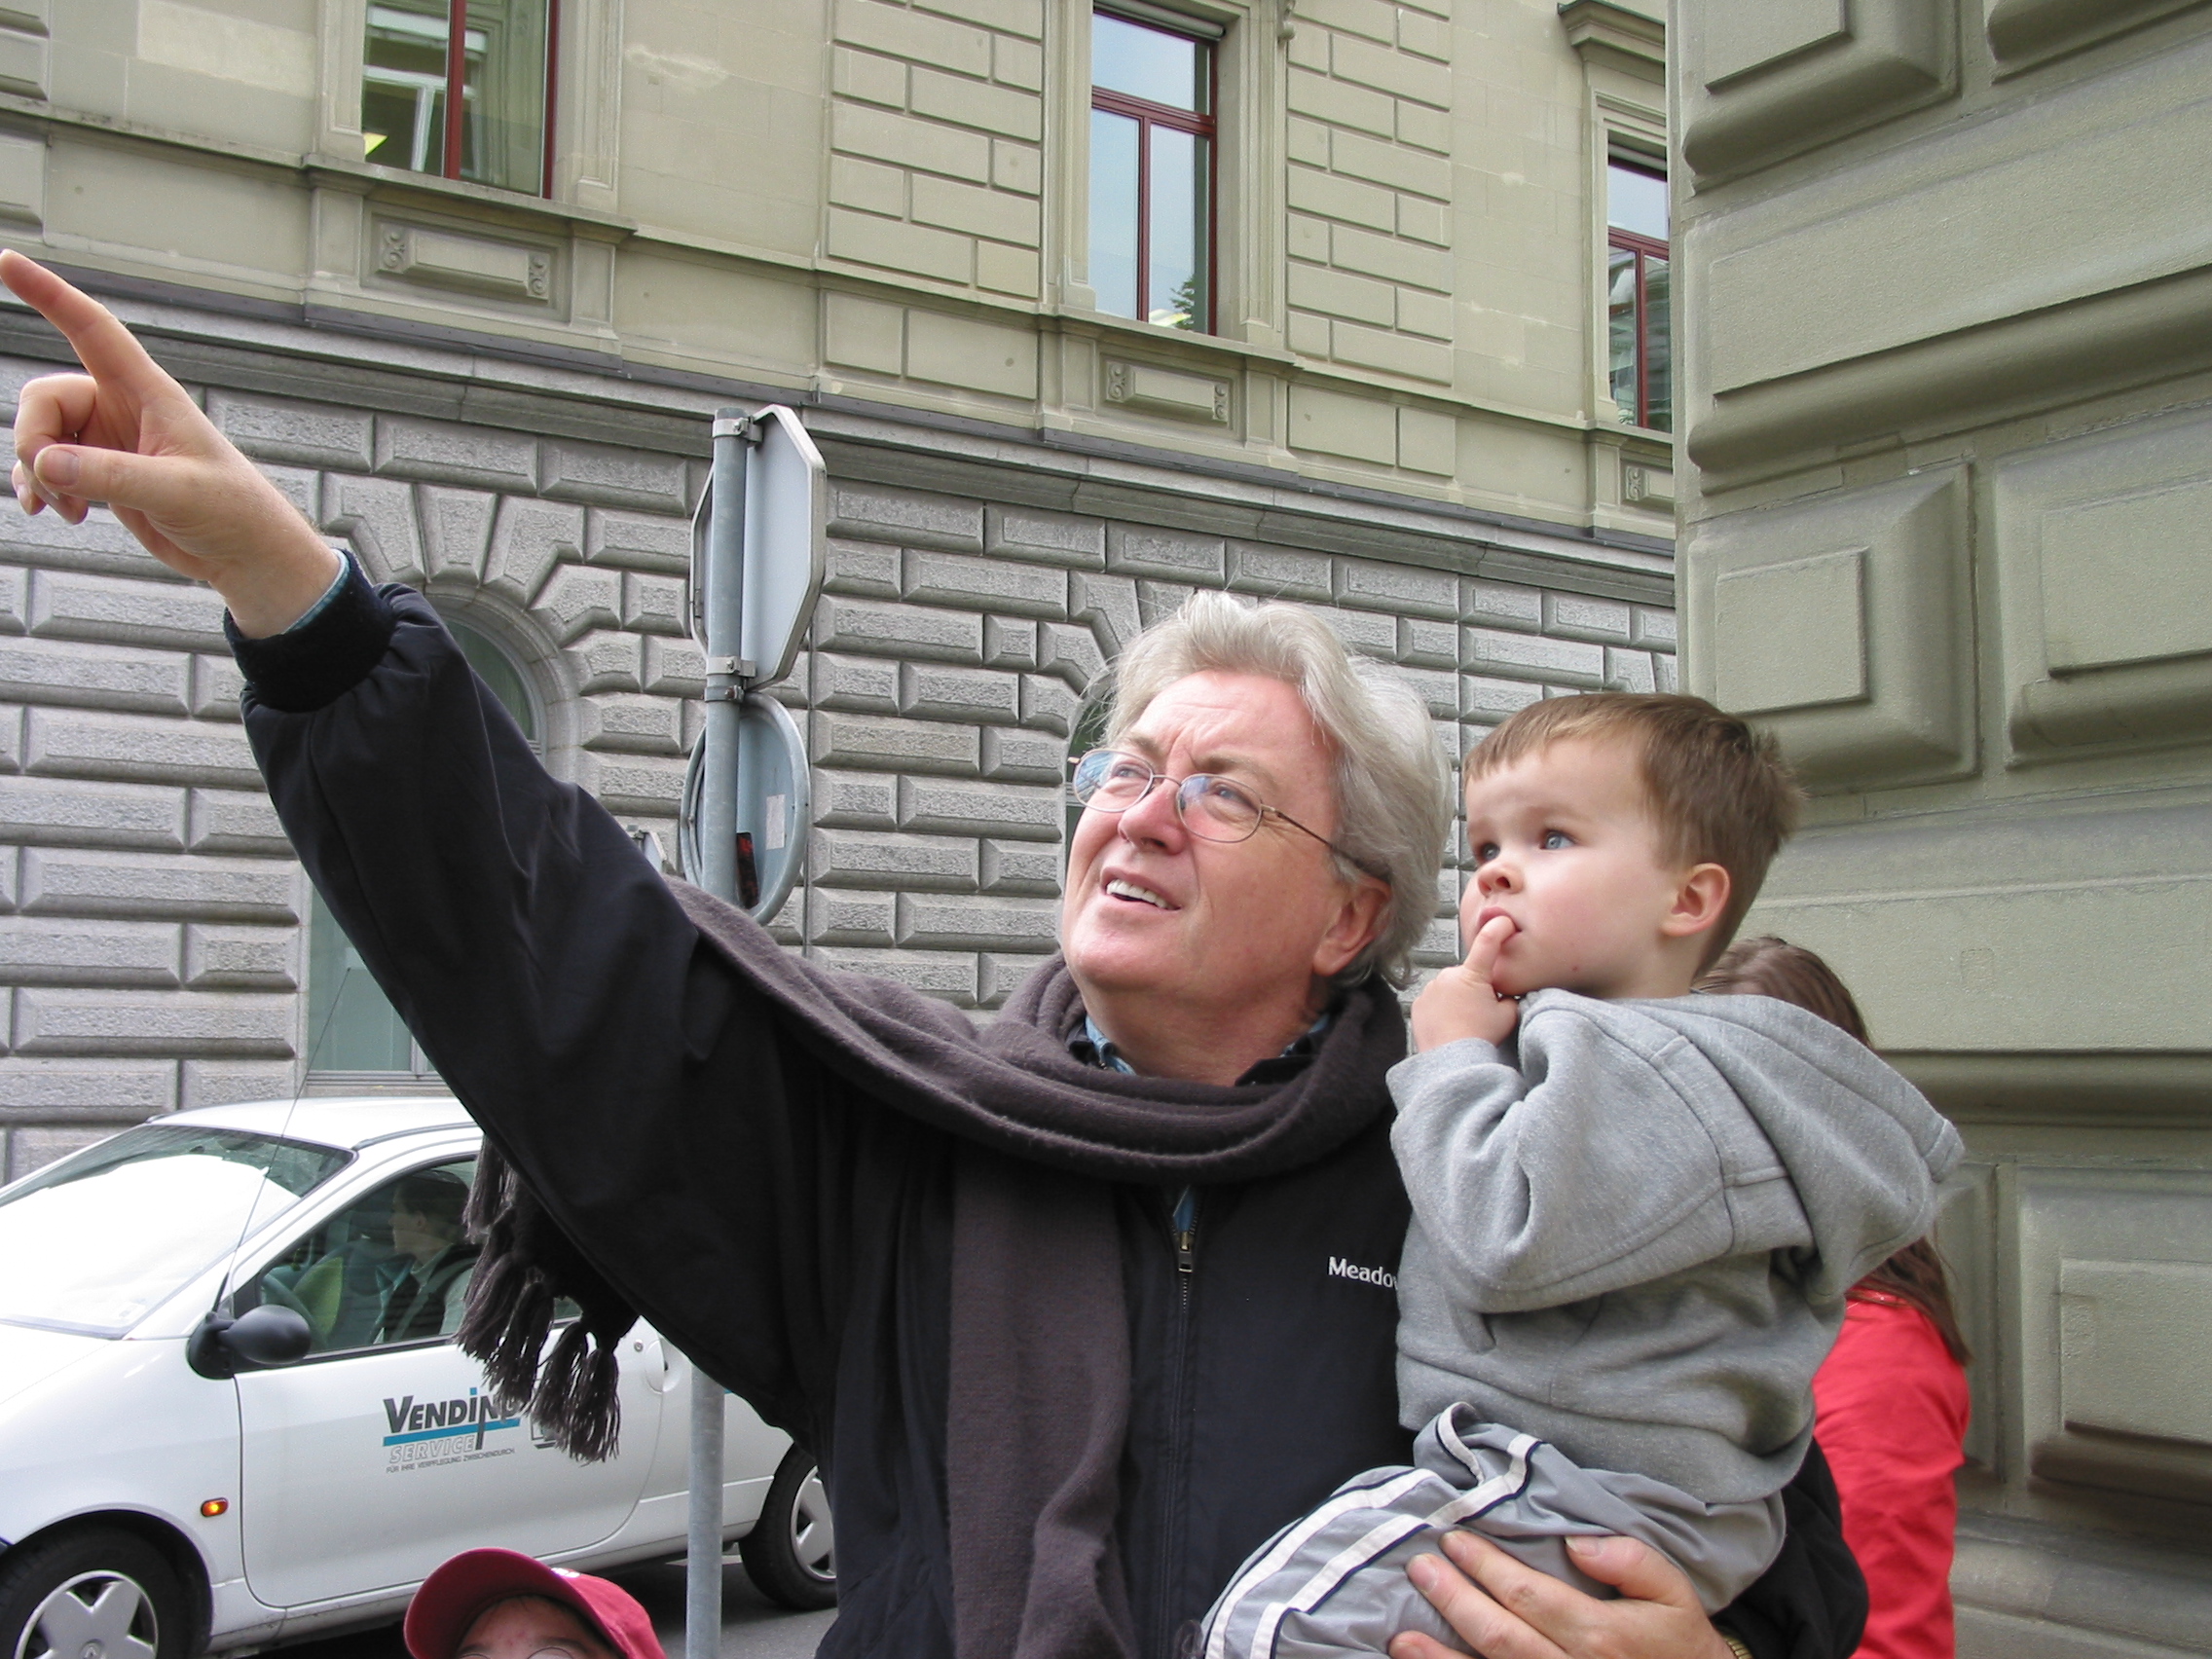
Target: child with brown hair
{"type": "Point", "coordinates": [1636, 1212]}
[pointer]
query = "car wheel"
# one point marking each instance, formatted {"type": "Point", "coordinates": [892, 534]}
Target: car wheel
{"type": "Point", "coordinates": [790, 1555]}
{"type": "Point", "coordinates": [91, 1595]}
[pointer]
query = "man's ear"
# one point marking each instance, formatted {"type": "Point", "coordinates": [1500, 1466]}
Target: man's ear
{"type": "Point", "coordinates": [1358, 919]}
{"type": "Point", "coordinates": [1699, 902]}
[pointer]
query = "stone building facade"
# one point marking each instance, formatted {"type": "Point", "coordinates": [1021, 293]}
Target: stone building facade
{"type": "Point", "coordinates": [155, 935]}
{"type": "Point", "coordinates": [871, 210]}
{"type": "Point", "coordinates": [1947, 412]}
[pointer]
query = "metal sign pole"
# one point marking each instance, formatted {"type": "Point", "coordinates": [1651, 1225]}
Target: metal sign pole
{"type": "Point", "coordinates": [726, 673]}
{"type": "Point", "coordinates": [717, 873]}
{"type": "Point", "coordinates": [758, 562]}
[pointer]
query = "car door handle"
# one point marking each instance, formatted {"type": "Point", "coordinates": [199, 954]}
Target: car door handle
{"type": "Point", "coordinates": [651, 1356]}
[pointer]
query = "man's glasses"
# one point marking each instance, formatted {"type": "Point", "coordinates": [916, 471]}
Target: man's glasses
{"type": "Point", "coordinates": [1212, 808]}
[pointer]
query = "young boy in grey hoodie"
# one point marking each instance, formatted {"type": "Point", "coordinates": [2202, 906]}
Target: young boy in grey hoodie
{"type": "Point", "coordinates": [1634, 1211]}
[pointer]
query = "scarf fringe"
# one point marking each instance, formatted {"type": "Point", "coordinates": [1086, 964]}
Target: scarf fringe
{"type": "Point", "coordinates": [576, 1406]}
{"type": "Point", "coordinates": [505, 1328]}
{"type": "Point", "coordinates": [526, 1267]}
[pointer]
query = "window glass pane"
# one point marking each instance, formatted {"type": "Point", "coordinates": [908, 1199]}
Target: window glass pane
{"type": "Point", "coordinates": [498, 671]}
{"type": "Point", "coordinates": [1658, 347]}
{"type": "Point", "coordinates": [1113, 212]}
{"type": "Point", "coordinates": [1621, 330]}
{"type": "Point", "coordinates": [351, 1026]}
{"type": "Point", "coordinates": [403, 79]}
{"type": "Point", "coordinates": [1175, 290]}
{"type": "Point", "coordinates": [1148, 63]}
{"type": "Point", "coordinates": [392, 1267]}
{"type": "Point", "coordinates": [503, 94]}
{"type": "Point", "coordinates": [95, 1242]}
{"type": "Point", "coordinates": [1636, 201]}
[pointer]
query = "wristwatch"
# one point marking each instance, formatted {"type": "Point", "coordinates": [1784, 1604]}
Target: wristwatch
{"type": "Point", "coordinates": [1735, 1643]}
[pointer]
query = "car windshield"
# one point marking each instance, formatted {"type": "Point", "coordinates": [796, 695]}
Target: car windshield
{"type": "Point", "coordinates": [95, 1242]}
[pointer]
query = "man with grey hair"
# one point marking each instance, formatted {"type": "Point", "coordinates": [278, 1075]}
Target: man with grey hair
{"type": "Point", "coordinates": [1075, 1308]}
{"type": "Point", "coordinates": [1149, 907]}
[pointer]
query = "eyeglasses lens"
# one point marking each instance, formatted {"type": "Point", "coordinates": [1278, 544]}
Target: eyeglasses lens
{"type": "Point", "coordinates": [1110, 781]}
{"type": "Point", "coordinates": [1210, 807]}
{"type": "Point", "coordinates": [1216, 808]}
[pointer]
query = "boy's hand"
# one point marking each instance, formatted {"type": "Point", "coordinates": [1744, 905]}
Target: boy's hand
{"type": "Point", "coordinates": [1461, 1002]}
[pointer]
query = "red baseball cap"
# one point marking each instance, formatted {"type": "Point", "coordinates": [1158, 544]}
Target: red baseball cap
{"type": "Point", "coordinates": [452, 1597]}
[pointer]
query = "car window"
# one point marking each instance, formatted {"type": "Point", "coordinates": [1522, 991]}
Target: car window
{"type": "Point", "coordinates": [95, 1242]}
{"type": "Point", "coordinates": [391, 1266]}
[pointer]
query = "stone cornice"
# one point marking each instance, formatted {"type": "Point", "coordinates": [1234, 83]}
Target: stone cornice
{"type": "Point", "coordinates": [262, 349]}
{"type": "Point", "coordinates": [1604, 33]}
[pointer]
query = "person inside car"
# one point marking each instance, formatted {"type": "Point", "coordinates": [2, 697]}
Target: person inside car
{"type": "Point", "coordinates": [502, 1605]}
{"type": "Point", "coordinates": [1039, 1295]}
{"type": "Point", "coordinates": [435, 1260]}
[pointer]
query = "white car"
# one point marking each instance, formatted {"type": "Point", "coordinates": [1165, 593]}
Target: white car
{"type": "Point", "coordinates": [161, 1494]}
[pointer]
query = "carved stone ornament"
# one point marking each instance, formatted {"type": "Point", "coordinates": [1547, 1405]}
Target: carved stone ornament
{"type": "Point", "coordinates": [464, 262]}
{"type": "Point", "coordinates": [1651, 487]}
{"type": "Point", "coordinates": [1156, 390]}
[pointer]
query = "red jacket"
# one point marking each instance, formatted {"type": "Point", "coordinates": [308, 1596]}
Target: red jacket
{"type": "Point", "coordinates": [1892, 1413]}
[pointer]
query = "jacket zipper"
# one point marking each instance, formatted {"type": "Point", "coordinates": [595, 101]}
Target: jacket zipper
{"type": "Point", "coordinates": [1183, 1237]}
{"type": "Point", "coordinates": [1185, 1226]}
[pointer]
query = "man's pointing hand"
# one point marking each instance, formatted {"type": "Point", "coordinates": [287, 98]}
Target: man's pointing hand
{"type": "Point", "coordinates": [126, 434]}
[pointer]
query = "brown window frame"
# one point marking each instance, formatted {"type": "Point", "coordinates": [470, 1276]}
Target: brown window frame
{"type": "Point", "coordinates": [1149, 115]}
{"type": "Point", "coordinates": [456, 76]}
{"type": "Point", "coordinates": [1644, 248]}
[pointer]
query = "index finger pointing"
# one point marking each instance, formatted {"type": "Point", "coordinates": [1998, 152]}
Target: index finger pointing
{"type": "Point", "coordinates": [102, 344]}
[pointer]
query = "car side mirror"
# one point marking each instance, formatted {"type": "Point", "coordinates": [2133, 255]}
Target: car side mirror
{"type": "Point", "coordinates": [269, 1335]}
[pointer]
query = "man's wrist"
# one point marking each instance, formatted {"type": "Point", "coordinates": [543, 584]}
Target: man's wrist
{"type": "Point", "coordinates": [1737, 1645]}
{"type": "Point", "coordinates": [337, 586]}
{"type": "Point", "coordinates": [304, 668]}
{"type": "Point", "coordinates": [281, 594]}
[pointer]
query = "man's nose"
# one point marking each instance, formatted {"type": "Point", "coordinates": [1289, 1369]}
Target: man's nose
{"type": "Point", "coordinates": [1154, 818]}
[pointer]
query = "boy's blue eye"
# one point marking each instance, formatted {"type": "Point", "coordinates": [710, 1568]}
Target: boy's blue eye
{"type": "Point", "coordinates": [1485, 852]}
{"type": "Point", "coordinates": [1555, 839]}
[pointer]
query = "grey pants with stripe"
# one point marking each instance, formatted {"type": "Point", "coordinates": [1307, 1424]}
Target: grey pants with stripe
{"type": "Point", "coordinates": [1335, 1581]}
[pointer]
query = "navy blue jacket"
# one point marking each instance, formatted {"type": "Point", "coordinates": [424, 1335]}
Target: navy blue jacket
{"type": "Point", "coordinates": [787, 1232]}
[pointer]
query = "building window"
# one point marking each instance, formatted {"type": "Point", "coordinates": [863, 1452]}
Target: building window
{"type": "Point", "coordinates": [353, 1032]}
{"type": "Point", "coordinates": [1639, 335]}
{"type": "Point", "coordinates": [1152, 173]}
{"type": "Point", "coordinates": [463, 89]}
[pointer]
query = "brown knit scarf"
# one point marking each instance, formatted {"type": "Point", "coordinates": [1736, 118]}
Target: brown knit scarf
{"type": "Point", "coordinates": [1040, 1360]}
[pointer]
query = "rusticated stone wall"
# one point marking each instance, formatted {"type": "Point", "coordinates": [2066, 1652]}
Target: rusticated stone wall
{"type": "Point", "coordinates": [950, 657]}
{"type": "Point", "coordinates": [1946, 399]}
{"type": "Point", "coordinates": [152, 919]}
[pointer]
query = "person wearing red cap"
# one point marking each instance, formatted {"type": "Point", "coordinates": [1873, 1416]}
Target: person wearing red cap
{"type": "Point", "coordinates": [500, 1605]}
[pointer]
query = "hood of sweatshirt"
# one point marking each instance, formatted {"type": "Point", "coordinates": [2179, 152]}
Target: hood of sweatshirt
{"type": "Point", "coordinates": [1862, 1145]}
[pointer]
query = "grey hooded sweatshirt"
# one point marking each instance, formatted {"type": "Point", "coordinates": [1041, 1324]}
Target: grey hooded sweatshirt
{"type": "Point", "coordinates": [1632, 1226]}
